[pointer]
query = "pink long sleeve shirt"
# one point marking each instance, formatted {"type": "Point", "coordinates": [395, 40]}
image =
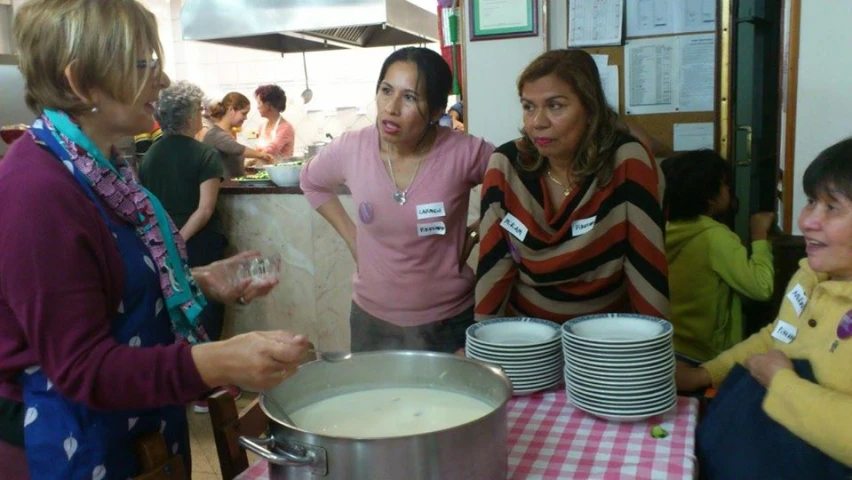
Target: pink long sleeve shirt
{"type": "Point", "coordinates": [409, 270]}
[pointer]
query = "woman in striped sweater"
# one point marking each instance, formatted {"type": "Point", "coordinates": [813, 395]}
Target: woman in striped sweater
{"type": "Point", "coordinates": [572, 222]}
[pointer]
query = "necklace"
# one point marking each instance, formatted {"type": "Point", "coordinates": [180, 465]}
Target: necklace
{"type": "Point", "coordinates": [399, 196]}
{"type": "Point", "coordinates": [566, 188]}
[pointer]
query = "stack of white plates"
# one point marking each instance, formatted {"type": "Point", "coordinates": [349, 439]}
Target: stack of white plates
{"type": "Point", "coordinates": [620, 367]}
{"type": "Point", "coordinates": [527, 349]}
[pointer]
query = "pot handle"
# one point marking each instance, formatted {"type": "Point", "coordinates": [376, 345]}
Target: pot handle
{"type": "Point", "coordinates": [306, 458]}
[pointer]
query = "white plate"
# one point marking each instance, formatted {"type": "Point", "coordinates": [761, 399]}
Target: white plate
{"type": "Point", "coordinates": [520, 364]}
{"type": "Point", "coordinates": [617, 328]}
{"type": "Point", "coordinates": [608, 366]}
{"type": "Point", "coordinates": [620, 390]}
{"type": "Point", "coordinates": [664, 349]}
{"type": "Point", "coordinates": [616, 371]}
{"type": "Point", "coordinates": [617, 416]}
{"type": "Point", "coordinates": [489, 347]}
{"type": "Point", "coordinates": [605, 381]}
{"type": "Point", "coordinates": [514, 331]}
{"type": "Point", "coordinates": [544, 351]}
{"type": "Point", "coordinates": [632, 401]}
{"type": "Point", "coordinates": [527, 391]}
{"type": "Point", "coordinates": [535, 380]}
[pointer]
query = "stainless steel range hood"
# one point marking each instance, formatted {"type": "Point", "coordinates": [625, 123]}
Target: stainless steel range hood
{"type": "Point", "coordinates": [307, 25]}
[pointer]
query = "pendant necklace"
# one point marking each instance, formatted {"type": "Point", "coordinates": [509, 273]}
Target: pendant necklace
{"type": "Point", "coordinates": [399, 196]}
{"type": "Point", "coordinates": [566, 188]}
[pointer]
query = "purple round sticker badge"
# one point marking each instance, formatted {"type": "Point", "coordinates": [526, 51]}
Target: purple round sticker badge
{"type": "Point", "coordinates": [365, 213]}
{"type": "Point", "coordinates": [516, 255]}
{"type": "Point", "coordinates": [844, 328]}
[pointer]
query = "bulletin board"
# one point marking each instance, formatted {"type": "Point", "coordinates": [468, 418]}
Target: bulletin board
{"type": "Point", "coordinates": [661, 125]}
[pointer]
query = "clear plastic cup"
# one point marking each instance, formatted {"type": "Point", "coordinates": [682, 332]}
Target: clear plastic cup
{"type": "Point", "coordinates": [260, 269]}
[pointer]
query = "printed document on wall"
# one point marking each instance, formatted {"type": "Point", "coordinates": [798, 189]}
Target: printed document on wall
{"type": "Point", "coordinates": [595, 22]}
{"type": "Point", "coordinates": [697, 72]}
{"type": "Point", "coordinates": [649, 76]}
{"type": "Point", "coordinates": [609, 81]}
{"type": "Point", "coordinates": [693, 136]}
{"type": "Point", "coordinates": [666, 17]}
{"type": "Point", "coordinates": [670, 74]}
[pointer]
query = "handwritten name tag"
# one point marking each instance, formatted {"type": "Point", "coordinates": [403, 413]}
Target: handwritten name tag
{"type": "Point", "coordinates": [784, 332]}
{"type": "Point", "coordinates": [514, 226]}
{"type": "Point", "coordinates": [430, 210]}
{"type": "Point", "coordinates": [581, 227]}
{"type": "Point", "coordinates": [798, 298]}
{"type": "Point", "coordinates": [435, 228]}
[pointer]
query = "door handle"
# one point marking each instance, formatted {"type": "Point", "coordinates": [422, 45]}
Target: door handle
{"type": "Point", "coordinates": [747, 161]}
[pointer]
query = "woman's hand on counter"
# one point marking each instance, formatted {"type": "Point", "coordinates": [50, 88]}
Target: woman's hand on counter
{"type": "Point", "coordinates": [256, 360]}
{"type": "Point", "coordinates": [217, 280]}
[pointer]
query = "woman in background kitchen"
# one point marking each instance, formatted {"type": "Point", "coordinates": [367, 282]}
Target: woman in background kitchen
{"type": "Point", "coordinates": [784, 403]}
{"type": "Point", "coordinates": [185, 175]}
{"type": "Point", "coordinates": [94, 285]}
{"type": "Point", "coordinates": [411, 183]}
{"type": "Point", "coordinates": [276, 137]}
{"type": "Point", "coordinates": [231, 112]}
{"type": "Point", "coordinates": [572, 222]}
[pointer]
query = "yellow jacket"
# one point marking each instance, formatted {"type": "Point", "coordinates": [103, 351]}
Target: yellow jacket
{"type": "Point", "coordinates": [820, 414]}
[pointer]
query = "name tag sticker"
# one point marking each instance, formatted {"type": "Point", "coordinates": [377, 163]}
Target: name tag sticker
{"type": "Point", "coordinates": [798, 298]}
{"type": "Point", "coordinates": [514, 226]}
{"type": "Point", "coordinates": [430, 210]}
{"type": "Point", "coordinates": [581, 227]}
{"type": "Point", "coordinates": [784, 332]}
{"type": "Point", "coordinates": [427, 229]}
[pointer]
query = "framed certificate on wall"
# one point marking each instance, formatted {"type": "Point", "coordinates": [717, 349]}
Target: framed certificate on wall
{"type": "Point", "coordinates": [496, 19]}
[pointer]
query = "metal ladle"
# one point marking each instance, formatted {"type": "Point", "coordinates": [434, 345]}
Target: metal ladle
{"type": "Point", "coordinates": [308, 94]}
{"type": "Point", "coordinates": [332, 357]}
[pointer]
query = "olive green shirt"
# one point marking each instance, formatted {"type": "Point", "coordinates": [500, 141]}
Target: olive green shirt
{"type": "Point", "coordinates": [174, 168]}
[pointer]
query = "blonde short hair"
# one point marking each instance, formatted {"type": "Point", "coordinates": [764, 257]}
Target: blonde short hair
{"type": "Point", "coordinates": [103, 39]}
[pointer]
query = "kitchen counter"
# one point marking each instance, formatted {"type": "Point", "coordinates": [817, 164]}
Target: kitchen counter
{"type": "Point", "coordinates": [230, 187]}
{"type": "Point", "coordinates": [315, 292]}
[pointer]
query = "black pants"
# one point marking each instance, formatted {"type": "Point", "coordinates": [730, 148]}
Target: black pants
{"type": "Point", "coordinates": [204, 248]}
{"type": "Point", "coordinates": [370, 333]}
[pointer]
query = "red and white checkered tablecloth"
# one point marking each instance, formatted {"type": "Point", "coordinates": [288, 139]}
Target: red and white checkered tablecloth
{"type": "Point", "coordinates": [551, 439]}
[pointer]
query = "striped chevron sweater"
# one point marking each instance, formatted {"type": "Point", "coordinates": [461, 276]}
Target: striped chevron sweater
{"type": "Point", "coordinates": [602, 251]}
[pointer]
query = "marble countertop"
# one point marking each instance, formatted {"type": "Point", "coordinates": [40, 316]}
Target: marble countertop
{"type": "Point", "coordinates": [230, 187]}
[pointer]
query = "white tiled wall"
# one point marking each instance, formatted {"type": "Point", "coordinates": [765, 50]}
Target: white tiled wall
{"type": "Point", "coordinates": [343, 81]}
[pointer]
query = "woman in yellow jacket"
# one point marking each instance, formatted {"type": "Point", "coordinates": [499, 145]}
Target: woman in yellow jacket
{"type": "Point", "coordinates": [784, 406]}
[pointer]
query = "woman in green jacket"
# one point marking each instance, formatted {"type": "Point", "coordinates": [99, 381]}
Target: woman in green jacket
{"type": "Point", "coordinates": [709, 267]}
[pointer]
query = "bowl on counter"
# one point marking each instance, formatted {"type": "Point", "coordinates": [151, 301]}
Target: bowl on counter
{"type": "Point", "coordinates": [285, 174]}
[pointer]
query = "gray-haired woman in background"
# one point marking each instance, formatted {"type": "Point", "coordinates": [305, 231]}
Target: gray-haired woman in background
{"type": "Point", "coordinates": [185, 175]}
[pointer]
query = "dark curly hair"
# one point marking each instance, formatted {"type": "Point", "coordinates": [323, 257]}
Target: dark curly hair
{"type": "Point", "coordinates": [693, 179]}
{"type": "Point", "coordinates": [272, 95]}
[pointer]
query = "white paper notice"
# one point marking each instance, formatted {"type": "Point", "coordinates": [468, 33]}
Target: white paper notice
{"type": "Point", "coordinates": [697, 72]}
{"type": "Point", "coordinates": [666, 17]}
{"type": "Point", "coordinates": [670, 74]}
{"type": "Point", "coordinates": [609, 81]}
{"type": "Point", "coordinates": [693, 136]}
{"type": "Point", "coordinates": [495, 14]}
{"type": "Point", "coordinates": [649, 83]}
{"type": "Point", "coordinates": [600, 60]}
{"type": "Point", "coordinates": [594, 22]}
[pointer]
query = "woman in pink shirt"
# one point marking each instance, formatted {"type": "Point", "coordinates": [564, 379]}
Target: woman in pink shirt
{"type": "Point", "coordinates": [277, 136]}
{"type": "Point", "coordinates": [411, 180]}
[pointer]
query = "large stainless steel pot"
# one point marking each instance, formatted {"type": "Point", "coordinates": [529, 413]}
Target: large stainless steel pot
{"type": "Point", "coordinates": [475, 450]}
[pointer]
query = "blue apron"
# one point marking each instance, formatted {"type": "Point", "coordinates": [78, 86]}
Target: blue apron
{"type": "Point", "coordinates": [738, 440]}
{"type": "Point", "coordinates": [68, 440]}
